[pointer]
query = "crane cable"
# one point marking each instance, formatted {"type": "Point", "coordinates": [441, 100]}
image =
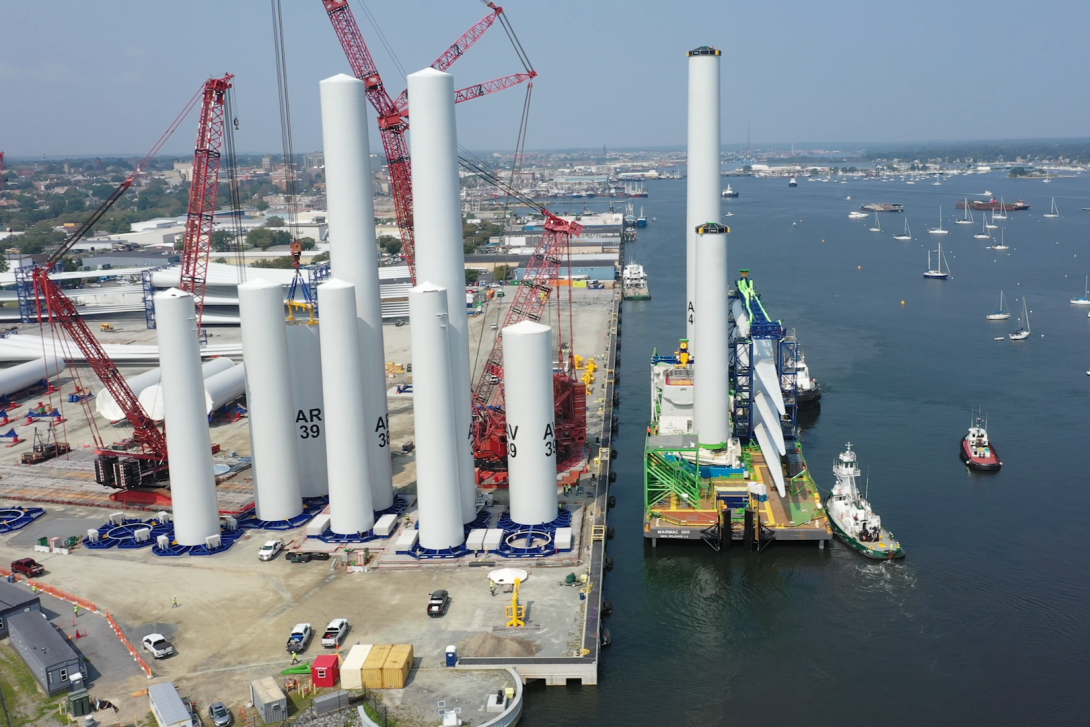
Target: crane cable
{"type": "Point", "coordinates": [285, 116]}
{"type": "Point", "coordinates": [234, 186]}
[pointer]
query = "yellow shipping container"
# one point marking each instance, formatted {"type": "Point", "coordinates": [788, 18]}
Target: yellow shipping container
{"type": "Point", "coordinates": [372, 668]}
{"type": "Point", "coordinates": [579, 283]}
{"type": "Point", "coordinates": [395, 672]}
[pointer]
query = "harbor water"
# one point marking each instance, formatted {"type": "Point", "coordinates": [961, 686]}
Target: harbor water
{"type": "Point", "coordinates": [985, 622]}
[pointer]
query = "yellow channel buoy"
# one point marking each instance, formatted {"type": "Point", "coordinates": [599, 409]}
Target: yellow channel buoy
{"type": "Point", "coordinates": [902, 302]}
{"type": "Point", "coordinates": [860, 267]}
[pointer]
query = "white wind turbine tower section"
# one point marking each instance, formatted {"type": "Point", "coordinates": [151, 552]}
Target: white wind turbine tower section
{"type": "Point", "coordinates": [269, 400]}
{"type": "Point", "coordinates": [531, 425]}
{"type": "Point", "coordinates": [189, 445]}
{"type": "Point", "coordinates": [702, 192]}
{"type": "Point", "coordinates": [440, 259]}
{"type": "Point", "coordinates": [350, 505]}
{"type": "Point", "coordinates": [438, 486]}
{"type": "Point", "coordinates": [305, 362]}
{"type": "Point", "coordinates": [711, 377]}
{"type": "Point", "coordinates": [353, 257]}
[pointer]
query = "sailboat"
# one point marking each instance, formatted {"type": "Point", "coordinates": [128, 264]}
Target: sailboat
{"type": "Point", "coordinates": [1001, 213]}
{"type": "Point", "coordinates": [1001, 314]}
{"type": "Point", "coordinates": [967, 218]}
{"type": "Point", "coordinates": [1085, 299]}
{"type": "Point", "coordinates": [938, 230]}
{"type": "Point", "coordinates": [991, 226]}
{"type": "Point", "coordinates": [1023, 332]}
{"type": "Point", "coordinates": [877, 225]}
{"type": "Point", "coordinates": [906, 235]}
{"type": "Point", "coordinates": [938, 272]}
{"type": "Point", "coordinates": [1055, 212]}
{"type": "Point", "coordinates": [983, 234]}
{"type": "Point", "coordinates": [1002, 242]}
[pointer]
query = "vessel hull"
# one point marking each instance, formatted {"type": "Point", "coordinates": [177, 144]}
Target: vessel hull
{"type": "Point", "coordinates": [868, 549]}
{"type": "Point", "coordinates": [989, 464]}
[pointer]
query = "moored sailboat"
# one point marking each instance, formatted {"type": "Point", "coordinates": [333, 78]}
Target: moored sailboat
{"type": "Point", "coordinates": [1024, 330]}
{"type": "Point", "coordinates": [1002, 314]}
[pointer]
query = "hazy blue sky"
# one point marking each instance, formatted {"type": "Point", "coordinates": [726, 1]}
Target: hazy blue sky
{"type": "Point", "coordinates": [79, 77]}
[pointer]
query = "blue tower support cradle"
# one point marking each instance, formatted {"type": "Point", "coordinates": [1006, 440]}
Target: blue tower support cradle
{"type": "Point", "coordinates": [227, 539]}
{"type": "Point", "coordinates": [123, 536]}
{"type": "Point", "coordinates": [311, 507]}
{"type": "Point", "coordinates": [17, 518]}
{"type": "Point", "coordinates": [539, 541]}
{"type": "Point", "coordinates": [398, 508]}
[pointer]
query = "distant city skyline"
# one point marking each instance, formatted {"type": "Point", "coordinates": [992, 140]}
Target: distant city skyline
{"type": "Point", "coordinates": [109, 79]}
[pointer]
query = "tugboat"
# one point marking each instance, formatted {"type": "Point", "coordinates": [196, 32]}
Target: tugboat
{"type": "Point", "coordinates": [976, 451]}
{"type": "Point", "coordinates": [851, 516]}
{"type": "Point", "coordinates": [729, 193]}
{"type": "Point", "coordinates": [792, 182]}
{"type": "Point", "coordinates": [809, 396]}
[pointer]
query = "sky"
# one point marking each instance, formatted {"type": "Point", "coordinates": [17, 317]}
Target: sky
{"type": "Point", "coordinates": [108, 77]}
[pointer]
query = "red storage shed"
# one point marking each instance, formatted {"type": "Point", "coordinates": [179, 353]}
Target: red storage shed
{"type": "Point", "coordinates": [325, 671]}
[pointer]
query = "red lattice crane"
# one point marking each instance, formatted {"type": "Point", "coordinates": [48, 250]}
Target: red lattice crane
{"type": "Point", "coordinates": [146, 455]}
{"type": "Point", "coordinates": [204, 184]}
{"type": "Point", "coordinates": [530, 302]}
{"type": "Point", "coordinates": [393, 115]}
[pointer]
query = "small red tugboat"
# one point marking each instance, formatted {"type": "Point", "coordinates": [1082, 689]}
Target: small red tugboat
{"type": "Point", "coordinates": [977, 452]}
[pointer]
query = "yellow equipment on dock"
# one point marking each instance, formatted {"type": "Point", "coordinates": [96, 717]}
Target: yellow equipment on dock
{"type": "Point", "coordinates": [516, 612]}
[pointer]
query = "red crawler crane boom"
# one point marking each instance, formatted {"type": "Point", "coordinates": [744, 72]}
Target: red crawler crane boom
{"type": "Point", "coordinates": [151, 458]}
{"type": "Point", "coordinates": [202, 191]}
{"type": "Point", "coordinates": [393, 115]}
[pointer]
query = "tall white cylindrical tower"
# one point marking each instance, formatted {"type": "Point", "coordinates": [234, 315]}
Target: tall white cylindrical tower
{"type": "Point", "coordinates": [189, 445]}
{"type": "Point", "coordinates": [269, 400]}
{"type": "Point", "coordinates": [350, 504]}
{"type": "Point", "coordinates": [353, 256]}
{"type": "Point", "coordinates": [702, 181]}
{"type": "Point", "coordinates": [440, 259]}
{"type": "Point", "coordinates": [711, 380]}
{"type": "Point", "coordinates": [305, 362]}
{"type": "Point", "coordinates": [438, 487]}
{"type": "Point", "coordinates": [531, 425]}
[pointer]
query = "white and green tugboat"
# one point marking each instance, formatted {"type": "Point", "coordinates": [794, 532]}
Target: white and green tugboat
{"type": "Point", "coordinates": [851, 515]}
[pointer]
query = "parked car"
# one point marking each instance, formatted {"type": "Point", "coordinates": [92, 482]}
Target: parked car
{"type": "Point", "coordinates": [335, 632]}
{"type": "Point", "coordinates": [300, 638]}
{"type": "Point", "coordinates": [270, 549]}
{"type": "Point", "coordinates": [221, 716]}
{"type": "Point", "coordinates": [299, 557]}
{"type": "Point", "coordinates": [437, 604]}
{"type": "Point", "coordinates": [28, 567]}
{"type": "Point", "coordinates": [158, 645]}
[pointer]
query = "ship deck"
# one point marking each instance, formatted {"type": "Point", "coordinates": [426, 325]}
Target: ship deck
{"type": "Point", "coordinates": [796, 516]}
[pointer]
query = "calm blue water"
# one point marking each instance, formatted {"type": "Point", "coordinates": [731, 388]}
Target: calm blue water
{"type": "Point", "coordinates": [987, 619]}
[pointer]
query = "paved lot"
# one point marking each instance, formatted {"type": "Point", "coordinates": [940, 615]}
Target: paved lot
{"type": "Point", "coordinates": [235, 612]}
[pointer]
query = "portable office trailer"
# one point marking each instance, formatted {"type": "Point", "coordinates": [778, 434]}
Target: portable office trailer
{"type": "Point", "coordinates": [269, 700]}
{"type": "Point", "coordinates": [48, 655]}
{"type": "Point", "coordinates": [15, 599]}
{"type": "Point", "coordinates": [352, 668]}
{"type": "Point", "coordinates": [167, 706]}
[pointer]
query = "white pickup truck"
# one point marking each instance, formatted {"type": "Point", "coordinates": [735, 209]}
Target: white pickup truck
{"type": "Point", "coordinates": [335, 632]}
{"type": "Point", "coordinates": [300, 638]}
